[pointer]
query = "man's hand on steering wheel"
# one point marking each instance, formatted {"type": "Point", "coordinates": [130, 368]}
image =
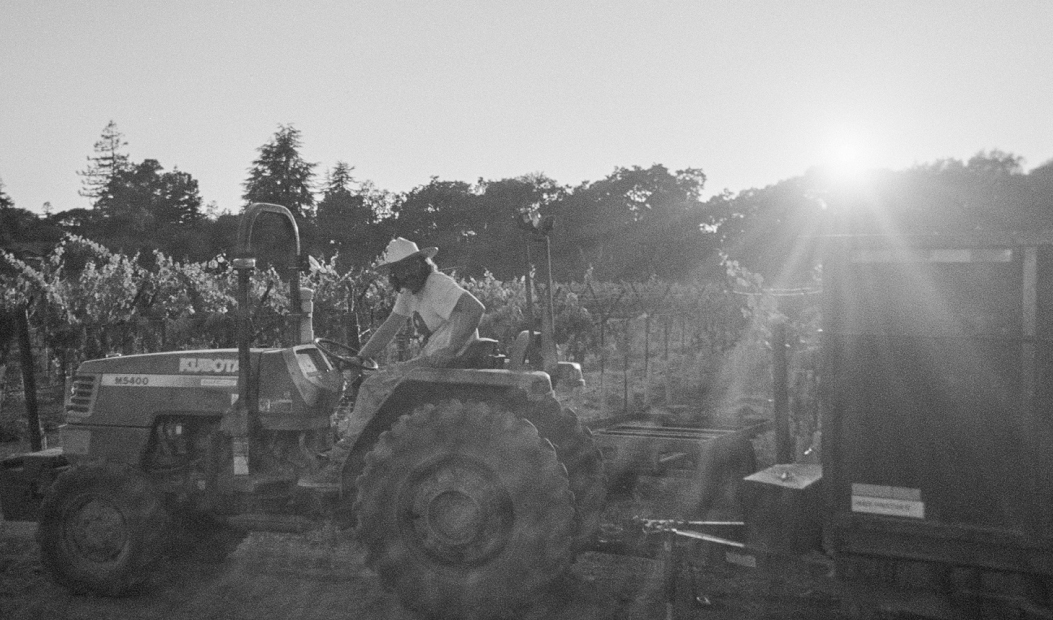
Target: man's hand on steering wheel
{"type": "Point", "coordinates": [345, 355]}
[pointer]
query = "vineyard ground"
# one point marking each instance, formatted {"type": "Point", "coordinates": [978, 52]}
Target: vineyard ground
{"type": "Point", "coordinates": [321, 575]}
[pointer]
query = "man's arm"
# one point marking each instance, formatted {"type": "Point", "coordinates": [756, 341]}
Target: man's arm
{"type": "Point", "coordinates": [383, 335]}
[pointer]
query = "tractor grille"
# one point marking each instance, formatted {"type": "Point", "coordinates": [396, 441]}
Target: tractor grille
{"type": "Point", "coordinates": [81, 396]}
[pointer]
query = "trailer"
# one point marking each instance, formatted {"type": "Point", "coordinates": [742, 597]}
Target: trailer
{"type": "Point", "coordinates": [938, 422]}
{"type": "Point", "coordinates": [717, 457]}
{"type": "Point", "coordinates": [933, 496]}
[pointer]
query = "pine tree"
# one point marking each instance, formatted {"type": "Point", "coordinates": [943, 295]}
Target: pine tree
{"type": "Point", "coordinates": [109, 160]}
{"type": "Point", "coordinates": [5, 200]}
{"type": "Point", "coordinates": [348, 219]}
{"type": "Point", "coordinates": [339, 179]}
{"type": "Point", "coordinates": [281, 176]}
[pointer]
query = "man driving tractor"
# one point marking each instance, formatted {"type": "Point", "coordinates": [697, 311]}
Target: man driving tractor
{"type": "Point", "coordinates": [451, 315]}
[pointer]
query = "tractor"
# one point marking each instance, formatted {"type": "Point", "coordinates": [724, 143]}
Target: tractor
{"type": "Point", "coordinates": [470, 489]}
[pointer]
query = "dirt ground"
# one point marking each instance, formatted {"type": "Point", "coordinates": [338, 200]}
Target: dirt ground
{"type": "Point", "coordinates": [290, 576]}
{"type": "Point", "coordinates": [321, 575]}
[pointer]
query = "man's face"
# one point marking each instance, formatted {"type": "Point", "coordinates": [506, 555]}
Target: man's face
{"type": "Point", "coordinates": [408, 275]}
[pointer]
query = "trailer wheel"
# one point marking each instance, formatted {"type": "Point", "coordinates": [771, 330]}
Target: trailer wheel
{"type": "Point", "coordinates": [464, 510]}
{"type": "Point", "coordinates": [577, 450]}
{"type": "Point", "coordinates": [101, 529]}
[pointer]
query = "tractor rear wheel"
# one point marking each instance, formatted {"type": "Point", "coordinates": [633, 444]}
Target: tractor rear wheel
{"type": "Point", "coordinates": [578, 452]}
{"type": "Point", "coordinates": [464, 510]}
{"type": "Point", "coordinates": [102, 527]}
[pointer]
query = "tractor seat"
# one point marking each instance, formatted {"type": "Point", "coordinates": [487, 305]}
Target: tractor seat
{"type": "Point", "coordinates": [481, 354]}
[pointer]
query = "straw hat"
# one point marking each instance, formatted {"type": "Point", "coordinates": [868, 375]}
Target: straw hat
{"type": "Point", "coordinates": [400, 249]}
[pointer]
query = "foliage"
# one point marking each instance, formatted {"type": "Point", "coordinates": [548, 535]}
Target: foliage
{"type": "Point", "coordinates": [5, 200]}
{"type": "Point", "coordinates": [631, 225]}
{"type": "Point", "coordinates": [108, 161]}
{"type": "Point", "coordinates": [441, 213]}
{"type": "Point", "coordinates": [144, 198]}
{"type": "Point", "coordinates": [88, 302]}
{"type": "Point", "coordinates": [637, 254]}
{"type": "Point", "coordinates": [347, 305]}
{"type": "Point", "coordinates": [136, 207]}
{"type": "Point", "coordinates": [279, 175]}
{"type": "Point", "coordinates": [91, 302]}
{"type": "Point", "coordinates": [504, 302]}
{"type": "Point", "coordinates": [777, 230]}
{"type": "Point", "coordinates": [349, 220]}
{"type": "Point", "coordinates": [498, 242]}
{"type": "Point", "coordinates": [19, 227]}
{"type": "Point", "coordinates": [774, 231]}
{"type": "Point", "coordinates": [146, 191]}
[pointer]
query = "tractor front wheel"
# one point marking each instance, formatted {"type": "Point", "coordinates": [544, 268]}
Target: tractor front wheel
{"type": "Point", "coordinates": [464, 510]}
{"type": "Point", "coordinates": [101, 529]}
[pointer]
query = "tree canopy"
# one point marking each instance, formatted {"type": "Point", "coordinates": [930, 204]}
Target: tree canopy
{"type": "Point", "coordinates": [349, 220]}
{"type": "Point", "coordinates": [22, 231]}
{"type": "Point", "coordinates": [281, 176]}
{"type": "Point", "coordinates": [108, 161]}
{"type": "Point", "coordinates": [144, 198]}
{"type": "Point", "coordinates": [634, 224]}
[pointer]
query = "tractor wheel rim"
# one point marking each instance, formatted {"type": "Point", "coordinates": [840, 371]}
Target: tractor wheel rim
{"type": "Point", "coordinates": [455, 517]}
{"type": "Point", "coordinates": [456, 511]}
{"type": "Point", "coordinates": [96, 530]}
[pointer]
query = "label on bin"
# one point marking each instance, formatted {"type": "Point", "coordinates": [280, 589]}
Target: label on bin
{"type": "Point", "coordinates": [887, 500]}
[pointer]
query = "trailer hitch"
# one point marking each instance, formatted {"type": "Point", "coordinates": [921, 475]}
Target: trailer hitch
{"type": "Point", "coordinates": [657, 539]}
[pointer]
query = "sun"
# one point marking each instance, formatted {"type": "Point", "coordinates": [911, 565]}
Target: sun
{"type": "Point", "coordinates": [846, 156]}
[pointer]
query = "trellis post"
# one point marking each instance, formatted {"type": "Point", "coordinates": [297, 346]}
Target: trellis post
{"type": "Point", "coordinates": [29, 382]}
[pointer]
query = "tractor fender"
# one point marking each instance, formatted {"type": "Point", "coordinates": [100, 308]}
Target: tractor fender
{"type": "Point", "coordinates": [424, 385]}
{"type": "Point", "coordinates": [434, 384]}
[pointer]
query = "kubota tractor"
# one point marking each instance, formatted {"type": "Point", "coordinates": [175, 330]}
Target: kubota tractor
{"type": "Point", "coordinates": [470, 488]}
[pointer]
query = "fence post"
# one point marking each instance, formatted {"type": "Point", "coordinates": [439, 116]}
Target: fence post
{"type": "Point", "coordinates": [603, 368]}
{"type": "Point", "coordinates": [647, 360]}
{"type": "Point", "coordinates": [781, 394]}
{"type": "Point", "coordinates": [605, 316]}
{"type": "Point", "coordinates": [29, 383]}
{"type": "Point", "coordinates": [667, 386]}
{"type": "Point", "coordinates": [625, 364]}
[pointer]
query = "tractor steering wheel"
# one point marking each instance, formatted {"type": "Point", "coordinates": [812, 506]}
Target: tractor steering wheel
{"type": "Point", "coordinates": [347, 355]}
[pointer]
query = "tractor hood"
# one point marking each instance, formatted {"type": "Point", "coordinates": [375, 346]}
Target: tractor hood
{"type": "Point", "coordinates": [203, 362]}
{"type": "Point", "coordinates": [297, 387]}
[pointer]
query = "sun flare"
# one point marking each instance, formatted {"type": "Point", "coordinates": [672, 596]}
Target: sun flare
{"type": "Point", "coordinates": [846, 155]}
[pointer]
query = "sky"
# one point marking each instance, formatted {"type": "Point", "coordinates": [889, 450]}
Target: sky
{"type": "Point", "coordinates": [751, 92]}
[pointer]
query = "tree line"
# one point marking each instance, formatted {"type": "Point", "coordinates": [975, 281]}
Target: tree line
{"type": "Point", "coordinates": [637, 223]}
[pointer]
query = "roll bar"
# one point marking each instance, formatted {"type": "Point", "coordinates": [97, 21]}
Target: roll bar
{"type": "Point", "coordinates": [244, 263]}
{"type": "Point", "coordinates": [248, 220]}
